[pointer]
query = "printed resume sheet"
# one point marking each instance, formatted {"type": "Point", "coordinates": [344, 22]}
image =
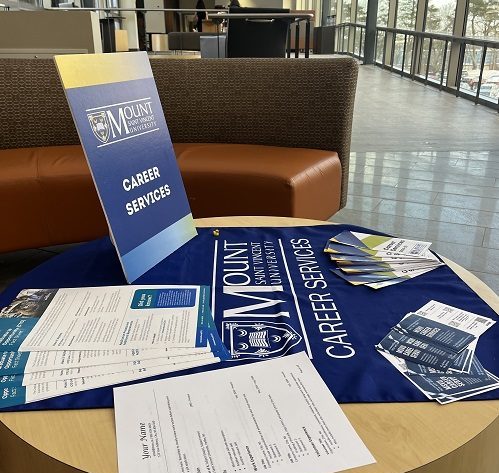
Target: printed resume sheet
{"type": "Point", "coordinates": [276, 416]}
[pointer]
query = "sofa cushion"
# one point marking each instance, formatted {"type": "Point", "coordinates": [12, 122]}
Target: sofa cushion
{"type": "Point", "coordinates": [47, 196]}
{"type": "Point", "coordinates": [237, 179]}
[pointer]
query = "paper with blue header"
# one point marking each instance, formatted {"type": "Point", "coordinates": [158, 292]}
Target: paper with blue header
{"type": "Point", "coordinates": [120, 317]}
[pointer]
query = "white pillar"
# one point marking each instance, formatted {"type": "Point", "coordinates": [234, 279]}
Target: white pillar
{"type": "Point", "coordinates": [392, 19]}
{"type": "Point", "coordinates": [455, 49]}
{"type": "Point", "coordinates": [130, 23]}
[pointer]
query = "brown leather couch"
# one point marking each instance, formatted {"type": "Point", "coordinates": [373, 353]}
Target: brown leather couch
{"type": "Point", "coordinates": [252, 137]}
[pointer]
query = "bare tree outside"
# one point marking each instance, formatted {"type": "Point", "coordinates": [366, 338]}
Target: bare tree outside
{"type": "Point", "coordinates": [440, 16]}
{"type": "Point", "coordinates": [382, 19]}
{"type": "Point", "coordinates": [406, 14]}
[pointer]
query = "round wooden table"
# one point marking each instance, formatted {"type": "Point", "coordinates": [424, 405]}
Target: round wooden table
{"type": "Point", "coordinates": [419, 437]}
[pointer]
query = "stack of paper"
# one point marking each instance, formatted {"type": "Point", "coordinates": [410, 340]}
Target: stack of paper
{"type": "Point", "coordinates": [59, 341]}
{"type": "Point", "coordinates": [379, 261]}
{"type": "Point", "coordinates": [276, 415]}
{"type": "Point", "coordinates": [434, 348]}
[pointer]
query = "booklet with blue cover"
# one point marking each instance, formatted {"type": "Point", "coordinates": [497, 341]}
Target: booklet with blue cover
{"type": "Point", "coordinates": [120, 121]}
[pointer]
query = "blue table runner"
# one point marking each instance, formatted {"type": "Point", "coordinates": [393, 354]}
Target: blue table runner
{"type": "Point", "coordinates": [274, 294]}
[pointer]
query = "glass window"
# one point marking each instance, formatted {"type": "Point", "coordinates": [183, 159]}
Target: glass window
{"type": "Point", "coordinates": [483, 19]}
{"type": "Point", "coordinates": [435, 65]}
{"type": "Point", "coordinates": [331, 15]}
{"type": "Point", "coordinates": [347, 6]}
{"type": "Point", "coordinates": [399, 53]}
{"type": "Point", "coordinates": [361, 11]}
{"type": "Point", "coordinates": [380, 45]}
{"type": "Point", "coordinates": [406, 14]}
{"type": "Point", "coordinates": [489, 89]}
{"type": "Point", "coordinates": [333, 7]}
{"type": "Point", "coordinates": [440, 16]}
{"type": "Point", "coordinates": [358, 46]}
{"type": "Point", "coordinates": [382, 19]}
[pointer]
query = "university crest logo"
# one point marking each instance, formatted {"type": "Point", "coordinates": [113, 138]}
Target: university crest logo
{"type": "Point", "coordinates": [100, 125]}
{"type": "Point", "coordinates": [256, 340]}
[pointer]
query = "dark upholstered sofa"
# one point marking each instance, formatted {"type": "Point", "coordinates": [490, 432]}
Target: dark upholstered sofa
{"type": "Point", "coordinates": [252, 137]}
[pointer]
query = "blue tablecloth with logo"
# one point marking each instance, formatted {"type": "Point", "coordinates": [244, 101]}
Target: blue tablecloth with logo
{"type": "Point", "coordinates": [277, 281]}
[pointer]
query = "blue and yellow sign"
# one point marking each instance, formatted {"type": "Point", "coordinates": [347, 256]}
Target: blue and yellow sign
{"type": "Point", "coordinates": [120, 121]}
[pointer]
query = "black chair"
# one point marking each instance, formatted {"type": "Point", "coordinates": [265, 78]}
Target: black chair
{"type": "Point", "coordinates": [257, 37]}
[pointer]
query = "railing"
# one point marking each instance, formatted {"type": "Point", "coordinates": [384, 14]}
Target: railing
{"type": "Point", "coordinates": [432, 58]}
{"type": "Point", "coordinates": [343, 32]}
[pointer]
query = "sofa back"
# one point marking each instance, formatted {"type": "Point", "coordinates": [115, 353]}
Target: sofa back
{"type": "Point", "coordinates": [304, 103]}
{"type": "Point", "coordinates": [33, 108]}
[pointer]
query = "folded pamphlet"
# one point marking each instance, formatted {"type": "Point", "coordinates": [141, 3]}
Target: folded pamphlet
{"type": "Point", "coordinates": [382, 243]}
{"type": "Point", "coordinates": [379, 261]}
{"type": "Point", "coordinates": [434, 348]}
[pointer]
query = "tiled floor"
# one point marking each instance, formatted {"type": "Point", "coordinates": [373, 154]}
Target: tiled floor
{"type": "Point", "coordinates": [424, 165]}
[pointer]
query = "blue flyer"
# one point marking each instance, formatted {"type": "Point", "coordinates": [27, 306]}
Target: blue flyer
{"type": "Point", "coordinates": [476, 368]}
{"type": "Point", "coordinates": [435, 332]}
{"type": "Point", "coordinates": [418, 351]}
{"type": "Point", "coordinates": [449, 385]}
{"type": "Point", "coordinates": [120, 121]}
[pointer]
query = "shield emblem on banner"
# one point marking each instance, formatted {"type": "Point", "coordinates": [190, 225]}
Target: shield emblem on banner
{"type": "Point", "coordinates": [100, 125]}
{"type": "Point", "coordinates": [257, 340]}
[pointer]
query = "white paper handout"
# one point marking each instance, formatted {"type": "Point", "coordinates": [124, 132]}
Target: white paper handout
{"type": "Point", "coordinates": [37, 377]}
{"type": "Point", "coordinates": [461, 319]}
{"type": "Point", "coordinates": [275, 416]}
{"type": "Point", "coordinates": [117, 317]}
{"type": "Point", "coordinates": [49, 389]}
{"type": "Point", "coordinates": [71, 359]}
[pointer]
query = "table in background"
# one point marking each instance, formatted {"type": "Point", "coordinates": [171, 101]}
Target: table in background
{"type": "Point", "coordinates": [417, 437]}
{"type": "Point", "coordinates": [290, 18]}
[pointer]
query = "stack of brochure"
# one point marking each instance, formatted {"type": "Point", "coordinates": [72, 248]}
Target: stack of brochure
{"type": "Point", "coordinates": [378, 261]}
{"type": "Point", "coordinates": [434, 348]}
{"type": "Point", "coordinates": [59, 341]}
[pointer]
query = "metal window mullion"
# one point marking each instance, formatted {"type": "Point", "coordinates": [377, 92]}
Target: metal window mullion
{"type": "Point", "coordinates": [384, 48]}
{"type": "Point", "coordinates": [482, 64]}
{"type": "Point", "coordinates": [460, 62]}
{"type": "Point", "coordinates": [297, 40]}
{"type": "Point", "coordinates": [428, 60]}
{"type": "Point", "coordinates": [403, 54]}
{"type": "Point", "coordinates": [392, 56]}
{"type": "Point", "coordinates": [360, 43]}
{"type": "Point", "coordinates": [444, 60]}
